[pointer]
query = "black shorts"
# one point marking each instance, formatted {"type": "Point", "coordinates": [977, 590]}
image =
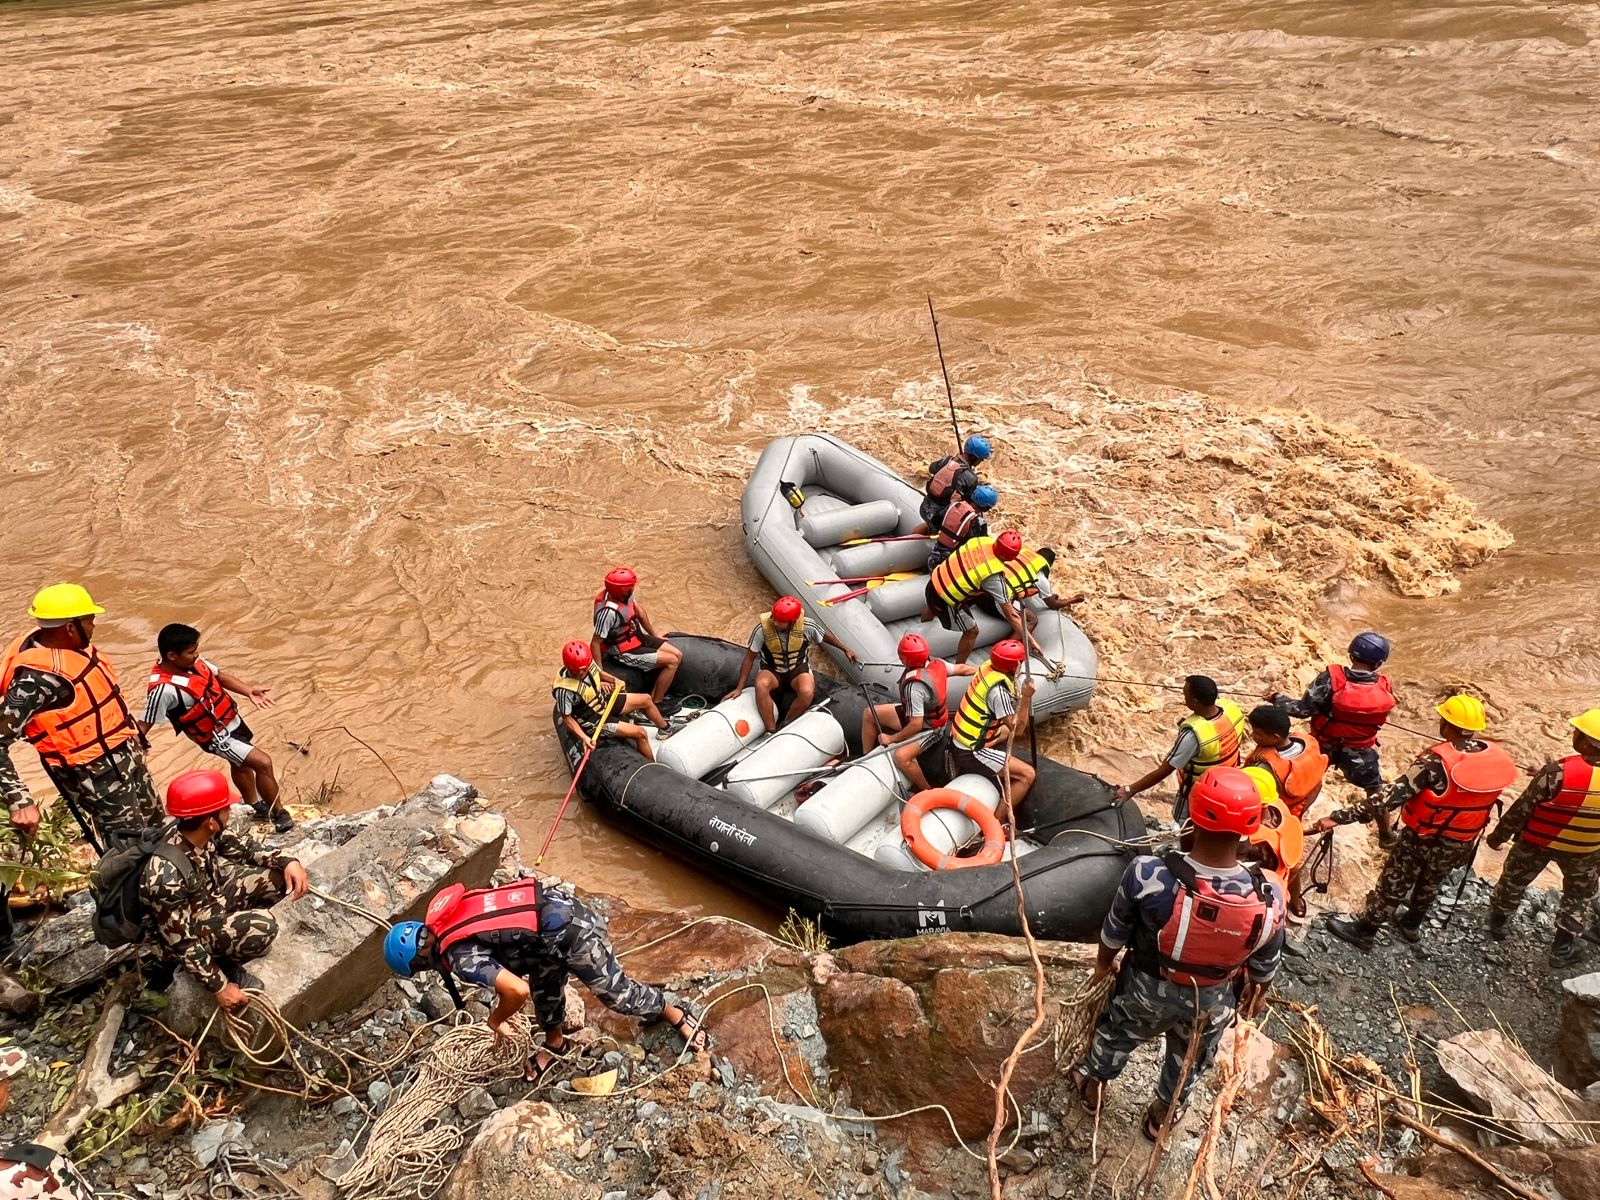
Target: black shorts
{"type": "Point", "coordinates": [963, 761]}
{"type": "Point", "coordinates": [786, 680]}
{"type": "Point", "coordinates": [244, 734]}
{"type": "Point", "coordinates": [958, 619]}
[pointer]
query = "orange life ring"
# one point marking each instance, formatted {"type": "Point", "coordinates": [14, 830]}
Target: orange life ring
{"type": "Point", "coordinates": [935, 799]}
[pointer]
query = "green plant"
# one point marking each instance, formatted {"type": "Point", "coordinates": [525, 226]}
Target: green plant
{"type": "Point", "coordinates": [47, 860]}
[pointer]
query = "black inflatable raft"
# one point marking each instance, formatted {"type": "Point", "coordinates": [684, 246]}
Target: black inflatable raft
{"type": "Point", "coordinates": [1068, 827]}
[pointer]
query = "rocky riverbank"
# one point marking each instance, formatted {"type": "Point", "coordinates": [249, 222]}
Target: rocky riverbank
{"type": "Point", "coordinates": [836, 1072]}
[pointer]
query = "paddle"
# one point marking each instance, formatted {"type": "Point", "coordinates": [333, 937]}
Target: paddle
{"type": "Point", "coordinates": [899, 537]}
{"type": "Point", "coordinates": [578, 774]}
{"type": "Point", "coordinates": [949, 394]}
{"type": "Point", "coordinates": [846, 579]}
{"type": "Point", "coordinates": [862, 591]}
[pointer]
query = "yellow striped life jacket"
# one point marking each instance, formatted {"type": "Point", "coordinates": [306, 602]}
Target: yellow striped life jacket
{"type": "Point", "coordinates": [1219, 738]}
{"type": "Point", "coordinates": [1570, 820]}
{"type": "Point", "coordinates": [591, 692]}
{"type": "Point", "coordinates": [785, 651]}
{"type": "Point", "coordinates": [1023, 572]}
{"type": "Point", "coordinates": [974, 726]}
{"type": "Point", "coordinates": [960, 576]}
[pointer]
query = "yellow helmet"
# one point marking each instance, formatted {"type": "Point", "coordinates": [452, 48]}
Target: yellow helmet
{"type": "Point", "coordinates": [1265, 783]}
{"type": "Point", "coordinates": [1464, 712]}
{"type": "Point", "coordinates": [62, 602]}
{"type": "Point", "coordinates": [1588, 724]}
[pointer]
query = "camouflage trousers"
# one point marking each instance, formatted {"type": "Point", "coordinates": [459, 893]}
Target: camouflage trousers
{"type": "Point", "coordinates": [1412, 876]}
{"type": "Point", "coordinates": [233, 923]}
{"type": "Point", "coordinates": [114, 794]}
{"type": "Point", "coordinates": [584, 950]}
{"type": "Point", "coordinates": [1144, 1007]}
{"type": "Point", "coordinates": [1580, 878]}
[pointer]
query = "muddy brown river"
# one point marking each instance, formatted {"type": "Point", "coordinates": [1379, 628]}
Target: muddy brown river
{"type": "Point", "coordinates": [366, 337]}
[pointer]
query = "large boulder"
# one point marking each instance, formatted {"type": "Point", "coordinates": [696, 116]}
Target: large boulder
{"type": "Point", "coordinates": [1577, 1059]}
{"type": "Point", "coordinates": [510, 1159]}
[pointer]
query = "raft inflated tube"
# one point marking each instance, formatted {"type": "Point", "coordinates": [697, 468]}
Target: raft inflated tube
{"type": "Point", "coordinates": [841, 807]}
{"type": "Point", "coordinates": [806, 743]}
{"type": "Point", "coordinates": [875, 518]}
{"type": "Point", "coordinates": [713, 737]}
{"type": "Point", "coordinates": [881, 558]}
{"type": "Point", "coordinates": [897, 600]}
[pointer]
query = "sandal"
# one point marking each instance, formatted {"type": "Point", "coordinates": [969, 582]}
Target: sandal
{"type": "Point", "coordinates": [534, 1073]}
{"type": "Point", "coordinates": [1086, 1084]}
{"type": "Point", "coordinates": [1151, 1128]}
{"type": "Point", "coordinates": [695, 1035]}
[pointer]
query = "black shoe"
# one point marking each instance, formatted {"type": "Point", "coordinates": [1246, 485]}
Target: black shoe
{"type": "Point", "coordinates": [282, 822]}
{"type": "Point", "coordinates": [1389, 840]}
{"type": "Point", "coordinates": [1567, 950]}
{"type": "Point", "coordinates": [1411, 932]}
{"type": "Point", "coordinates": [1499, 925]}
{"type": "Point", "coordinates": [1354, 931]}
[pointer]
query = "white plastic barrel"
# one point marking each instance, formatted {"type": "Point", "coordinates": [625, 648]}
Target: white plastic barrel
{"type": "Point", "coordinates": [898, 600]}
{"type": "Point", "coordinates": [713, 737]}
{"type": "Point", "coordinates": [893, 853]}
{"type": "Point", "coordinates": [767, 773]}
{"type": "Point", "coordinates": [873, 519]}
{"type": "Point", "coordinates": [874, 833]}
{"type": "Point", "coordinates": [882, 558]}
{"type": "Point", "coordinates": [840, 807]}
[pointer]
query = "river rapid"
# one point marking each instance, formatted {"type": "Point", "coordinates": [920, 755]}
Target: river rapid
{"type": "Point", "coordinates": [366, 337]}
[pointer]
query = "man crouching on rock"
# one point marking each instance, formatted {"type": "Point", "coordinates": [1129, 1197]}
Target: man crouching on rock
{"type": "Point", "coordinates": [205, 888]}
{"type": "Point", "coordinates": [523, 939]}
{"type": "Point", "coordinates": [1196, 924]}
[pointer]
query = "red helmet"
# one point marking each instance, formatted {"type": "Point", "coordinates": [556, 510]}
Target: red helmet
{"type": "Point", "coordinates": [786, 610]}
{"type": "Point", "coordinates": [575, 656]}
{"type": "Point", "coordinates": [914, 650]}
{"type": "Point", "coordinates": [1008, 545]}
{"type": "Point", "coordinates": [1226, 800]}
{"type": "Point", "coordinates": [198, 794]}
{"type": "Point", "coordinates": [1008, 655]}
{"type": "Point", "coordinates": [621, 581]}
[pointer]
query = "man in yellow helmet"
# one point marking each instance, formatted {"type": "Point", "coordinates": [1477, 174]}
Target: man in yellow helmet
{"type": "Point", "coordinates": [1555, 820]}
{"type": "Point", "coordinates": [1444, 799]}
{"type": "Point", "coordinates": [61, 694]}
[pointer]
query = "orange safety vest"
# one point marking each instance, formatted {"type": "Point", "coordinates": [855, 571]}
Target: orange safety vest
{"type": "Point", "coordinates": [937, 676]}
{"type": "Point", "coordinates": [213, 709]}
{"type": "Point", "coordinates": [96, 721]}
{"type": "Point", "coordinates": [1299, 778]}
{"type": "Point", "coordinates": [1570, 820]}
{"type": "Point", "coordinates": [962, 575]}
{"type": "Point", "coordinates": [1474, 782]}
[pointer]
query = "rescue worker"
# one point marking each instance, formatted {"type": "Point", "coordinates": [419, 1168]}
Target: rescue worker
{"type": "Point", "coordinates": [206, 888]}
{"type": "Point", "coordinates": [1555, 820]}
{"type": "Point", "coordinates": [924, 686]}
{"type": "Point", "coordinates": [1192, 924]}
{"type": "Point", "coordinates": [524, 940]}
{"type": "Point", "coordinates": [583, 695]}
{"type": "Point", "coordinates": [1027, 575]}
{"type": "Point", "coordinates": [963, 521]}
{"type": "Point", "coordinates": [953, 588]}
{"type": "Point", "coordinates": [950, 474]}
{"type": "Point", "coordinates": [623, 629]}
{"type": "Point", "coordinates": [1444, 799]}
{"type": "Point", "coordinates": [62, 695]}
{"type": "Point", "coordinates": [782, 640]}
{"type": "Point", "coordinates": [993, 710]}
{"type": "Point", "coordinates": [29, 1171]}
{"type": "Point", "coordinates": [1348, 707]}
{"type": "Point", "coordinates": [1208, 737]}
{"type": "Point", "coordinates": [193, 694]}
{"type": "Point", "coordinates": [1297, 766]}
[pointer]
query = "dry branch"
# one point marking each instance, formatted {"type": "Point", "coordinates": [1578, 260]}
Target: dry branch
{"type": "Point", "coordinates": [95, 1088]}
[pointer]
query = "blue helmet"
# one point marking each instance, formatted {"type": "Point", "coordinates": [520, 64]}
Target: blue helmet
{"type": "Point", "coordinates": [1369, 647]}
{"type": "Point", "coordinates": [401, 945]}
{"type": "Point", "coordinates": [977, 446]}
{"type": "Point", "coordinates": [984, 497]}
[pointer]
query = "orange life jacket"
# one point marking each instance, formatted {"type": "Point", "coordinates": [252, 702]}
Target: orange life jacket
{"type": "Point", "coordinates": [1570, 820]}
{"type": "Point", "coordinates": [1299, 778]}
{"type": "Point", "coordinates": [213, 709]}
{"type": "Point", "coordinates": [1357, 710]}
{"type": "Point", "coordinates": [456, 914]}
{"type": "Point", "coordinates": [96, 721]}
{"type": "Point", "coordinates": [629, 636]}
{"type": "Point", "coordinates": [937, 676]}
{"type": "Point", "coordinates": [1474, 782]}
{"type": "Point", "coordinates": [961, 576]}
{"type": "Point", "coordinates": [960, 519]}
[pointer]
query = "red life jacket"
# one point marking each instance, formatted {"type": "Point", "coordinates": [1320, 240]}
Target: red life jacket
{"type": "Point", "coordinates": [456, 914]}
{"type": "Point", "coordinates": [937, 676]}
{"type": "Point", "coordinates": [1474, 782]}
{"type": "Point", "coordinates": [629, 636]}
{"type": "Point", "coordinates": [213, 709]}
{"type": "Point", "coordinates": [1356, 712]}
{"type": "Point", "coordinates": [1210, 936]}
{"type": "Point", "coordinates": [960, 523]}
{"type": "Point", "coordinates": [1570, 820]}
{"type": "Point", "coordinates": [944, 478]}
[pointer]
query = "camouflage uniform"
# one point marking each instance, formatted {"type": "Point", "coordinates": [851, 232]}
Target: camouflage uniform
{"type": "Point", "coordinates": [1417, 866]}
{"type": "Point", "coordinates": [571, 939]}
{"type": "Point", "coordinates": [114, 793]}
{"type": "Point", "coordinates": [218, 914]}
{"type": "Point", "coordinates": [1580, 873]}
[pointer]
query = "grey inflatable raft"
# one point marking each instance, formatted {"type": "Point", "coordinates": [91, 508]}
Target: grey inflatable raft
{"type": "Point", "coordinates": [850, 499]}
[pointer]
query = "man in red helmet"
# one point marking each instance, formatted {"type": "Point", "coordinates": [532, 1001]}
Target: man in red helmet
{"type": "Point", "coordinates": [923, 706]}
{"type": "Point", "coordinates": [977, 566]}
{"type": "Point", "coordinates": [584, 697]}
{"type": "Point", "coordinates": [782, 639]}
{"type": "Point", "coordinates": [1193, 924]}
{"type": "Point", "coordinates": [623, 630]}
{"type": "Point", "coordinates": [205, 889]}
{"type": "Point", "coordinates": [984, 728]}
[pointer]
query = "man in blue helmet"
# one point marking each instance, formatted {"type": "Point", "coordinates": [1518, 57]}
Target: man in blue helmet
{"type": "Point", "coordinates": [952, 474]}
{"type": "Point", "coordinates": [524, 940]}
{"type": "Point", "coordinates": [964, 520]}
{"type": "Point", "coordinates": [1348, 707]}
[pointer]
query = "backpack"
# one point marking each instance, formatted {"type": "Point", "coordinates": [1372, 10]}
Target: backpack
{"type": "Point", "coordinates": [120, 918]}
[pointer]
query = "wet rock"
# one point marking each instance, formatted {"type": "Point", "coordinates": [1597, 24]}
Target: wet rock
{"type": "Point", "coordinates": [476, 1105]}
{"type": "Point", "coordinates": [16, 999]}
{"type": "Point", "coordinates": [1577, 1058]}
{"type": "Point", "coordinates": [1577, 1173]}
{"type": "Point", "coordinates": [1452, 1171]}
{"type": "Point", "coordinates": [344, 1106]}
{"type": "Point", "coordinates": [510, 1157]}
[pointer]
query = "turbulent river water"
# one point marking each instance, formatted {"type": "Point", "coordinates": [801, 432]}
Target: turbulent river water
{"type": "Point", "coordinates": [365, 337]}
